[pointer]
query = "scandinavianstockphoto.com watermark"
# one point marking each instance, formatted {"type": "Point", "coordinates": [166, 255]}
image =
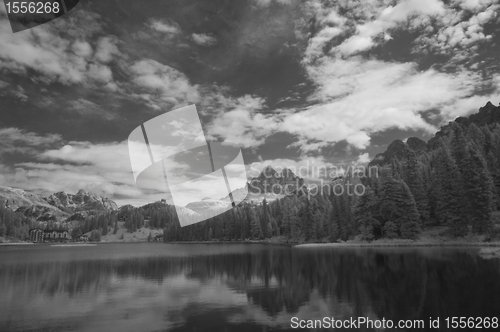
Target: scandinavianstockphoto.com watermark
{"type": "Point", "coordinates": [328, 180]}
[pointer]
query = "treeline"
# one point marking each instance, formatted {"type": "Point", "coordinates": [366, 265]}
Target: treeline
{"type": "Point", "coordinates": [14, 225]}
{"type": "Point", "coordinates": [98, 223]}
{"type": "Point", "coordinates": [456, 184]}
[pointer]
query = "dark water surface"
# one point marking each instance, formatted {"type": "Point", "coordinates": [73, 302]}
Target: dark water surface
{"type": "Point", "coordinates": [236, 287]}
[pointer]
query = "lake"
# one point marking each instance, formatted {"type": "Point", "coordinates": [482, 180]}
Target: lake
{"type": "Point", "coordinates": [237, 287]}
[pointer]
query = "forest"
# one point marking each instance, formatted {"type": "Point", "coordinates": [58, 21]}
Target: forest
{"type": "Point", "coordinates": [453, 182]}
{"type": "Point", "coordinates": [456, 183]}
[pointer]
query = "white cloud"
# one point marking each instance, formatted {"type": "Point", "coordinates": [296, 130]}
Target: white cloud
{"type": "Point", "coordinates": [14, 136]}
{"type": "Point", "coordinates": [204, 39]}
{"type": "Point", "coordinates": [161, 85]}
{"type": "Point", "coordinates": [15, 140]}
{"type": "Point", "coordinates": [357, 98]}
{"type": "Point", "coordinates": [388, 18]}
{"type": "Point", "coordinates": [363, 158]}
{"type": "Point", "coordinates": [106, 49]}
{"type": "Point", "coordinates": [456, 36]}
{"type": "Point", "coordinates": [163, 26]}
{"type": "Point", "coordinates": [49, 50]}
{"type": "Point", "coordinates": [356, 44]}
{"type": "Point", "coordinates": [316, 44]}
{"type": "Point", "coordinates": [240, 122]}
{"type": "Point", "coordinates": [82, 49]}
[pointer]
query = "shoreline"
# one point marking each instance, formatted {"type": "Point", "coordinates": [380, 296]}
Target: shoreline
{"type": "Point", "coordinates": [398, 244]}
{"type": "Point", "coordinates": [348, 244]}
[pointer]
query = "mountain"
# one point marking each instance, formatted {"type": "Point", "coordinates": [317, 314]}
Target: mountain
{"type": "Point", "coordinates": [55, 207]}
{"type": "Point", "coordinates": [488, 114]}
{"type": "Point", "coordinates": [29, 204]}
{"type": "Point", "coordinates": [14, 198]}
{"type": "Point", "coordinates": [81, 201]}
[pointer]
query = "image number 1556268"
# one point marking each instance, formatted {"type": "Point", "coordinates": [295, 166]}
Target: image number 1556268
{"type": "Point", "coordinates": [30, 14]}
{"type": "Point", "coordinates": [32, 7]}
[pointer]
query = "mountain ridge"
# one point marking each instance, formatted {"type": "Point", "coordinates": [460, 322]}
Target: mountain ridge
{"type": "Point", "coordinates": [56, 207]}
{"type": "Point", "coordinates": [487, 114]}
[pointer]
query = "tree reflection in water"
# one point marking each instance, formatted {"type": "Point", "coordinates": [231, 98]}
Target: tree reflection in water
{"type": "Point", "coordinates": [248, 289]}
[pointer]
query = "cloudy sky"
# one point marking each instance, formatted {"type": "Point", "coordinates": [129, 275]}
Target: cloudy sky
{"type": "Point", "coordinates": [291, 82]}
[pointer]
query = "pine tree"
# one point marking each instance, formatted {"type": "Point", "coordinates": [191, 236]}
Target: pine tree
{"type": "Point", "coordinates": [267, 231]}
{"type": "Point", "coordinates": [398, 206]}
{"type": "Point", "coordinates": [410, 218]}
{"type": "Point", "coordinates": [255, 225]}
{"type": "Point", "coordinates": [363, 213]}
{"type": "Point", "coordinates": [413, 178]}
{"type": "Point", "coordinates": [479, 191]}
{"type": "Point", "coordinates": [333, 229]}
{"type": "Point", "coordinates": [306, 217]}
{"type": "Point", "coordinates": [449, 193]}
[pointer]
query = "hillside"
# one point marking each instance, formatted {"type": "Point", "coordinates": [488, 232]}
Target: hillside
{"type": "Point", "coordinates": [487, 115]}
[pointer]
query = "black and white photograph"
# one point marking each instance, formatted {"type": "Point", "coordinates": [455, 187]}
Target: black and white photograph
{"type": "Point", "coordinates": [249, 165]}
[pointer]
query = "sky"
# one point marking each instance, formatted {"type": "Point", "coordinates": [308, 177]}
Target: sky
{"type": "Point", "coordinates": [292, 83]}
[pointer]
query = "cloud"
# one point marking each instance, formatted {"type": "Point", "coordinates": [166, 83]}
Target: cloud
{"type": "Point", "coordinates": [457, 33]}
{"type": "Point", "coordinates": [203, 39]}
{"type": "Point", "coordinates": [161, 85]}
{"type": "Point", "coordinates": [318, 42]}
{"type": "Point", "coordinates": [363, 158]}
{"type": "Point", "coordinates": [243, 127]}
{"type": "Point", "coordinates": [15, 140]}
{"type": "Point", "coordinates": [388, 18]}
{"type": "Point", "coordinates": [163, 27]}
{"type": "Point", "coordinates": [356, 98]}
{"type": "Point", "coordinates": [59, 51]}
{"type": "Point", "coordinates": [88, 108]}
{"type": "Point", "coordinates": [266, 3]}
{"type": "Point", "coordinates": [3, 84]}
{"type": "Point", "coordinates": [17, 92]}
{"type": "Point", "coordinates": [106, 49]}
{"type": "Point", "coordinates": [239, 121]}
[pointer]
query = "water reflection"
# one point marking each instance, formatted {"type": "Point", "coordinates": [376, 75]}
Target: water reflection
{"type": "Point", "coordinates": [239, 287]}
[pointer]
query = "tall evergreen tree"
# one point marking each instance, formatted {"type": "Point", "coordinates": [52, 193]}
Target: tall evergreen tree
{"type": "Point", "coordinates": [364, 211]}
{"type": "Point", "coordinates": [478, 190]}
{"type": "Point", "coordinates": [413, 178]}
{"type": "Point", "coordinates": [449, 192]}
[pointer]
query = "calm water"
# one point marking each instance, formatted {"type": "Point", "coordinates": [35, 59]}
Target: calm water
{"type": "Point", "coordinates": [238, 287]}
